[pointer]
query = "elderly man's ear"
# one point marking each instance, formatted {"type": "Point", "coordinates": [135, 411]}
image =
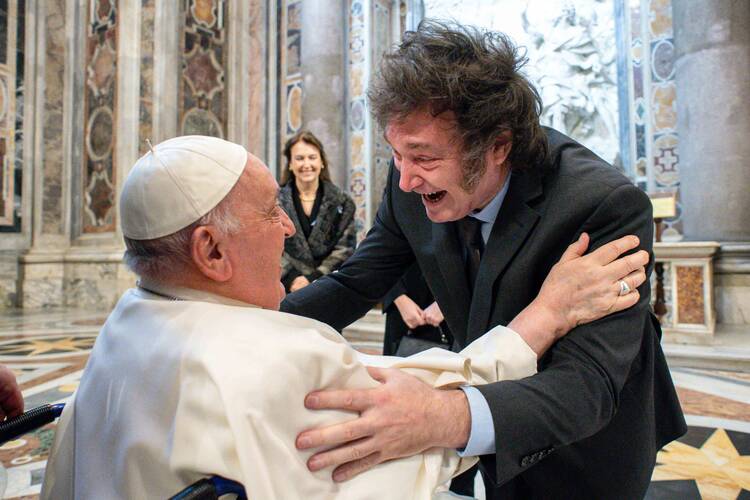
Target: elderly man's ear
{"type": "Point", "coordinates": [209, 254]}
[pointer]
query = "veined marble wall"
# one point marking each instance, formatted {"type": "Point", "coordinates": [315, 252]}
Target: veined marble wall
{"type": "Point", "coordinates": [146, 107]}
{"type": "Point", "coordinates": [290, 80]}
{"type": "Point", "coordinates": [374, 26]}
{"type": "Point", "coordinates": [8, 41]}
{"type": "Point", "coordinates": [384, 14]}
{"type": "Point", "coordinates": [100, 115]}
{"type": "Point", "coordinates": [52, 182]}
{"type": "Point", "coordinates": [359, 120]}
{"type": "Point", "coordinates": [203, 102]}
{"type": "Point", "coordinates": [257, 108]}
{"type": "Point", "coordinates": [94, 71]}
{"type": "Point", "coordinates": [649, 113]}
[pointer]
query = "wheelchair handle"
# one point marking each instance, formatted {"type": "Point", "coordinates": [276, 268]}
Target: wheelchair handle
{"type": "Point", "coordinates": [28, 421]}
{"type": "Point", "coordinates": [211, 488]}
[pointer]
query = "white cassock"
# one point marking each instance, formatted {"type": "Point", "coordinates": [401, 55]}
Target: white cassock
{"type": "Point", "coordinates": [176, 390]}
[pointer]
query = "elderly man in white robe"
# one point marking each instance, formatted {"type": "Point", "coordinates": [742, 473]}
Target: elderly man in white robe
{"type": "Point", "coordinates": [196, 373]}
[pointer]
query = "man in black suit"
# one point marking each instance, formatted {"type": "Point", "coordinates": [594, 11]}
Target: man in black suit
{"type": "Point", "coordinates": [464, 126]}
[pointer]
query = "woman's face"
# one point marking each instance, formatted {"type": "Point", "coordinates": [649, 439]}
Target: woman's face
{"type": "Point", "coordinates": [305, 163]}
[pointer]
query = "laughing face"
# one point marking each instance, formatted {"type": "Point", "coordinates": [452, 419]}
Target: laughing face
{"type": "Point", "coordinates": [427, 152]}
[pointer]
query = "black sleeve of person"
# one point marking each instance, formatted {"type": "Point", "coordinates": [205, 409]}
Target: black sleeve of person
{"type": "Point", "coordinates": [580, 384]}
{"type": "Point", "coordinates": [342, 297]}
{"type": "Point", "coordinates": [413, 285]}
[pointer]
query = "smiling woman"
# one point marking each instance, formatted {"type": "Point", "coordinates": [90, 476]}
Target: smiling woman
{"type": "Point", "coordinates": [323, 215]}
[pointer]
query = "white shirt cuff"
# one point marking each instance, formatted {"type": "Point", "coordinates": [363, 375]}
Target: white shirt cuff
{"type": "Point", "coordinates": [482, 433]}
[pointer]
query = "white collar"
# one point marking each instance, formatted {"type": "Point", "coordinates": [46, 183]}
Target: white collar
{"type": "Point", "coordinates": [489, 212]}
{"type": "Point", "coordinates": [172, 292]}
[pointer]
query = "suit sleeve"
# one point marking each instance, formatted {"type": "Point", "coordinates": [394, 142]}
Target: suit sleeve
{"type": "Point", "coordinates": [342, 297]}
{"type": "Point", "coordinates": [409, 283]}
{"type": "Point", "coordinates": [577, 389]}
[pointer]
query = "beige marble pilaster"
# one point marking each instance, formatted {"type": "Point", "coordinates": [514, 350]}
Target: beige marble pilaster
{"type": "Point", "coordinates": [167, 34]}
{"type": "Point", "coordinates": [238, 71]}
{"type": "Point", "coordinates": [258, 119]}
{"type": "Point", "coordinates": [41, 268]}
{"type": "Point", "coordinates": [51, 219]}
{"type": "Point", "coordinates": [128, 97]}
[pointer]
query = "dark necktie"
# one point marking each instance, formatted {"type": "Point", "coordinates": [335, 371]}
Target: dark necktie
{"type": "Point", "coordinates": [470, 235]}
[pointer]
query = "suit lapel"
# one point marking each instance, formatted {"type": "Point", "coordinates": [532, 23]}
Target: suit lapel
{"type": "Point", "coordinates": [512, 227]}
{"type": "Point", "coordinates": [450, 262]}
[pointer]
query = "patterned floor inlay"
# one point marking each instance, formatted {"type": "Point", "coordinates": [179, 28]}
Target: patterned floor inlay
{"type": "Point", "coordinates": [48, 351]}
{"type": "Point", "coordinates": [712, 461]}
{"type": "Point", "coordinates": [706, 463]}
{"type": "Point", "coordinates": [54, 346]}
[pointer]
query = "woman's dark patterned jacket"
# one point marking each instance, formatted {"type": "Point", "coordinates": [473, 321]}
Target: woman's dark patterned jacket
{"type": "Point", "coordinates": [332, 238]}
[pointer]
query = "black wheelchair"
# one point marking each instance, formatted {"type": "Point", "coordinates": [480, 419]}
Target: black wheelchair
{"type": "Point", "coordinates": [210, 488]}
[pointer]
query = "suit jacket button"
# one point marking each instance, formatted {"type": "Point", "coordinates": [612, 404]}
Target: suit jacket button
{"type": "Point", "coordinates": [525, 462]}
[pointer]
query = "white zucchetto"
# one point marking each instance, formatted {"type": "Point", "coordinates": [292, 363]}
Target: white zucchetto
{"type": "Point", "coordinates": [176, 183]}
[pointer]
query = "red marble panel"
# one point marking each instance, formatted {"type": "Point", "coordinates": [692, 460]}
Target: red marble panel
{"type": "Point", "coordinates": [690, 302]}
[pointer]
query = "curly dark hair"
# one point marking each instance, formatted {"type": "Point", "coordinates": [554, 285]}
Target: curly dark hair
{"type": "Point", "coordinates": [474, 73]}
{"type": "Point", "coordinates": [307, 137]}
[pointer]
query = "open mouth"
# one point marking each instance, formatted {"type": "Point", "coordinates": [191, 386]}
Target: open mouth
{"type": "Point", "coordinates": [434, 197]}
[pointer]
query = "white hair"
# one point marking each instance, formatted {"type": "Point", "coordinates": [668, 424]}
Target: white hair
{"type": "Point", "coordinates": [169, 255]}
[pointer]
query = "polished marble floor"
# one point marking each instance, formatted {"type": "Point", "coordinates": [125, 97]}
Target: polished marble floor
{"type": "Point", "coordinates": [48, 350]}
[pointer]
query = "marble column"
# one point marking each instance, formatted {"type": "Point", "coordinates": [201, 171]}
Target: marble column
{"type": "Point", "coordinates": [167, 33]}
{"type": "Point", "coordinates": [323, 70]}
{"type": "Point", "coordinates": [258, 132]}
{"type": "Point", "coordinates": [51, 220]}
{"type": "Point", "coordinates": [41, 270]}
{"type": "Point", "coordinates": [712, 39]}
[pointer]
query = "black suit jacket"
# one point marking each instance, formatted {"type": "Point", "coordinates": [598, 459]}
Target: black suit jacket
{"type": "Point", "coordinates": [589, 424]}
